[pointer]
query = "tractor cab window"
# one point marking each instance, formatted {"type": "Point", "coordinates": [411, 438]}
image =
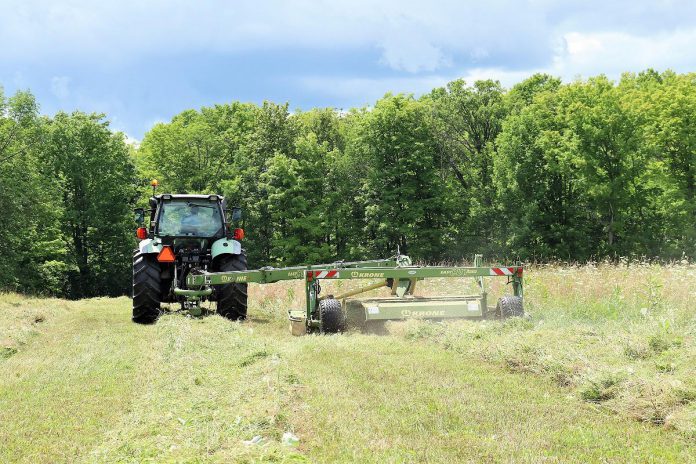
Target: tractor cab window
{"type": "Point", "coordinates": [190, 218]}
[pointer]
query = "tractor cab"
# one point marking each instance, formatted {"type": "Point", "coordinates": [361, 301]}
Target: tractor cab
{"type": "Point", "coordinates": [190, 217]}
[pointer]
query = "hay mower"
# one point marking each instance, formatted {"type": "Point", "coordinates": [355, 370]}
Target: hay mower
{"type": "Point", "coordinates": [190, 253]}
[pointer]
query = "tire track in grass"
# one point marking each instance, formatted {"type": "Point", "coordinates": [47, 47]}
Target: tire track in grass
{"type": "Point", "coordinates": [65, 388]}
{"type": "Point", "coordinates": [215, 384]}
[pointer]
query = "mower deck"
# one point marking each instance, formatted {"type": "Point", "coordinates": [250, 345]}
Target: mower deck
{"type": "Point", "coordinates": [417, 307]}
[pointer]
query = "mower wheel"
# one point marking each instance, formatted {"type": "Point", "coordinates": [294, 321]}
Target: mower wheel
{"type": "Point", "coordinates": [232, 298]}
{"type": "Point", "coordinates": [146, 288]}
{"type": "Point", "coordinates": [509, 306]}
{"type": "Point", "coordinates": [331, 316]}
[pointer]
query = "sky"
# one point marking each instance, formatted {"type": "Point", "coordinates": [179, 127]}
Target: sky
{"type": "Point", "coordinates": [143, 61]}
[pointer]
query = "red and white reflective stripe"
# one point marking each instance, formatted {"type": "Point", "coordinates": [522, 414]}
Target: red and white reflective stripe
{"type": "Point", "coordinates": [325, 274]}
{"type": "Point", "coordinates": [500, 271]}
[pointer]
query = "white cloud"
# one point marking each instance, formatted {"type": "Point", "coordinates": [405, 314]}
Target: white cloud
{"type": "Point", "coordinates": [413, 54]}
{"type": "Point", "coordinates": [131, 141]}
{"type": "Point", "coordinates": [60, 87]}
{"type": "Point", "coordinates": [364, 91]}
{"type": "Point", "coordinates": [117, 125]}
{"type": "Point", "coordinates": [612, 53]}
{"type": "Point", "coordinates": [579, 55]}
{"type": "Point", "coordinates": [579, 44]}
{"type": "Point", "coordinates": [411, 46]}
{"type": "Point", "coordinates": [413, 35]}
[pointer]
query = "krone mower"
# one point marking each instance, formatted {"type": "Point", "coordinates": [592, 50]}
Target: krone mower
{"type": "Point", "coordinates": [328, 314]}
{"type": "Point", "coordinates": [191, 252]}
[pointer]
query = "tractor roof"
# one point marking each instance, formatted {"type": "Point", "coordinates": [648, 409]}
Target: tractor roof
{"type": "Point", "coordinates": [186, 196]}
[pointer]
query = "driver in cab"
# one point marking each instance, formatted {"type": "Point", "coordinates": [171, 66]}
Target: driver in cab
{"type": "Point", "coordinates": [193, 220]}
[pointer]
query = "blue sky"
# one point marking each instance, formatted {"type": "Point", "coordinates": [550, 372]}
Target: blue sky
{"type": "Point", "coordinates": [141, 62]}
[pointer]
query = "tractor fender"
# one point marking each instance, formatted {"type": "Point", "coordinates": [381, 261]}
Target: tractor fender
{"type": "Point", "coordinates": [150, 245]}
{"type": "Point", "coordinates": [225, 246]}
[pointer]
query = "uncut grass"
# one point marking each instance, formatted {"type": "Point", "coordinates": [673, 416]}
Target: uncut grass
{"type": "Point", "coordinates": [621, 337]}
{"type": "Point", "coordinates": [86, 385]}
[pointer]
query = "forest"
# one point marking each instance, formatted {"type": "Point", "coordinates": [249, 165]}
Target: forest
{"type": "Point", "coordinates": [592, 169]}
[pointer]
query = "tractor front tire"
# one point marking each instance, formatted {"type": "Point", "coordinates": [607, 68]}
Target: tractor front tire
{"type": "Point", "coordinates": [232, 298]}
{"type": "Point", "coordinates": [509, 306]}
{"type": "Point", "coordinates": [331, 316]}
{"type": "Point", "coordinates": [146, 288]}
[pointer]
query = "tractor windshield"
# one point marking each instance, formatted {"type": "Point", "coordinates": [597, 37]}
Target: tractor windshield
{"type": "Point", "coordinates": [191, 218]}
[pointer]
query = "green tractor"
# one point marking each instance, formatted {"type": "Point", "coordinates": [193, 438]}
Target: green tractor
{"type": "Point", "coordinates": [187, 235]}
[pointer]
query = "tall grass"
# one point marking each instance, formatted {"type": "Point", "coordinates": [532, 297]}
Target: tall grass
{"type": "Point", "coordinates": [618, 336]}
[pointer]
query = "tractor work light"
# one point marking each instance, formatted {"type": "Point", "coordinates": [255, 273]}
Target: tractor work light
{"type": "Point", "coordinates": [141, 233]}
{"type": "Point", "coordinates": [166, 255]}
{"type": "Point", "coordinates": [238, 234]}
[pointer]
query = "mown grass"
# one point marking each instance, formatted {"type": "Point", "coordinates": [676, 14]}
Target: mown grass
{"type": "Point", "coordinates": [602, 371]}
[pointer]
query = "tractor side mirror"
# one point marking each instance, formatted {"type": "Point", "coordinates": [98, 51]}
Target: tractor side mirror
{"type": "Point", "coordinates": [139, 216]}
{"type": "Point", "coordinates": [236, 214]}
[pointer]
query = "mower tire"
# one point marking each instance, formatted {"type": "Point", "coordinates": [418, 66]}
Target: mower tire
{"type": "Point", "coordinates": [331, 316]}
{"type": "Point", "coordinates": [232, 298]}
{"type": "Point", "coordinates": [509, 306]}
{"type": "Point", "coordinates": [146, 288]}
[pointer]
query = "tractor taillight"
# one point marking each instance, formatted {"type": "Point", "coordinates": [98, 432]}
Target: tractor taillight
{"type": "Point", "coordinates": [141, 233]}
{"type": "Point", "coordinates": [238, 234]}
{"type": "Point", "coordinates": [166, 255]}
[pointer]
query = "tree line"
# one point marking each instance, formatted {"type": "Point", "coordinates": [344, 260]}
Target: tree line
{"type": "Point", "coordinates": [590, 169]}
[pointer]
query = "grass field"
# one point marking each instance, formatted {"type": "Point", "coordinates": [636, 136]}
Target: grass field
{"type": "Point", "coordinates": [603, 371]}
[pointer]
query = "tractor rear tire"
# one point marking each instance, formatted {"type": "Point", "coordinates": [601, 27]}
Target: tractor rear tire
{"type": "Point", "coordinates": [146, 288]}
{"type": "Point", "coordinates": [232, 298]}
{"type": "Point", "coordinates": [331, 316]}
{"type": "Point", "coordinates": [509, 306]}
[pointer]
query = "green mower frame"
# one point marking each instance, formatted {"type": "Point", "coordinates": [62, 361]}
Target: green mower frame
{"type": "Point", "coordinates": [328, 314]}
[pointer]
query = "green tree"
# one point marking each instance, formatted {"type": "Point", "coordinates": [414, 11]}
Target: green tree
{"type": "Point", "coordinates": [96, 180]}
{"type": "Point", "coordinates": [32, 253]}
{"type": "Point", "coordinates": [572, 175]}
{"type": "Point", "coordinates": [541, 193]}
{"type": "Point", "coordinates": [608, 147]}
{"type": "Point", "coordinates": [402, 192]}
{"type": "Point", "coordinates": [321, 142]}
{"type": "Point", "coordinates": [467, 120]}
{"type": "Point", "coordinates": [273, 134]}
{"type": "Point", "coordinates": [667, 104]}
{"type": "Point", "coordinates": [295, 202]}
{"type": "Point", "coordinates": [196, 151]}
